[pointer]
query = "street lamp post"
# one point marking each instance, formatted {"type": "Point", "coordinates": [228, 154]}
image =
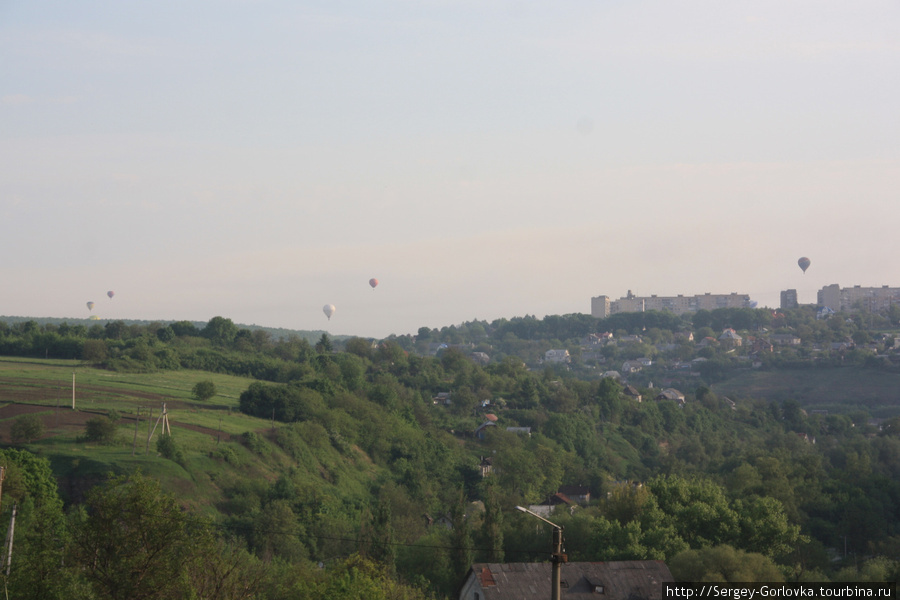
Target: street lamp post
{"type": "Point", "coordinates": [557, 558]}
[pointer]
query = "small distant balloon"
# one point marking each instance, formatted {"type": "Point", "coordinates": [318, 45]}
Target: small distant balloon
{"type": "Point", "coordinates": [90, 305]}
{"type": "Point", "coordinates": [110, 293]}
{"type": "Point", "coordinates": [754, 304]}
{"type": "Point", "coordinates": [373, 282]}
{"type": "Point", "coordinates": [328, 309]}
{"type": "Point", "coordinates": [804, 263]}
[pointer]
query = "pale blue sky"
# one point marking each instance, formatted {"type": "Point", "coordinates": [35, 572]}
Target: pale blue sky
{"type": "Point", "coordinates": [259, 159]}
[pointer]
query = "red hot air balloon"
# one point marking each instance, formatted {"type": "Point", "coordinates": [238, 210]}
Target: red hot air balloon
{"type": "Point", "coordinates": [373, 282]}
{"type": "Point", "coordinates": [110, 293]}
{"type": "Point", "coordinates": [804, 263]}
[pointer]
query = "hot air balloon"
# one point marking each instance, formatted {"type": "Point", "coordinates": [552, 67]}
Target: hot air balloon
{"type": "Point", "coordinates": [328, 309]}
{"type": "Point", "coordinates": [804, 263]}
{"type": "Point", "coordinates": [110, 293]}
{"type": "Point", "coordinates": [90, 305]}
{"type": "Point", "coordinates": [373, 282]}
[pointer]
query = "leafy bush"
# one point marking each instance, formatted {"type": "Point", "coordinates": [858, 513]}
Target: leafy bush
{"type": "Point", "coordinates": [101, 430]}
{"type": "Point", "coordinates": [255, 443]}
{"type": "Point", "coordinates": [204, 390]}
{"type": "Point", "coordinates": [167, 448]}
{"type": "Point", "coordinates": [25, 429]}
{"type": "Point", "coordinates": [226, 454]}
{"type": "Point", "coordinates": [286, 403]}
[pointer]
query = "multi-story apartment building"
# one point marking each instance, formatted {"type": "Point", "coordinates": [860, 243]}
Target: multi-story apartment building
{"type": "Point", "coordinates": [789, 299]}
{"type": "Point", "coordinates": [874, 299]}
{"type": "Point", "coordinates": [602, 306]}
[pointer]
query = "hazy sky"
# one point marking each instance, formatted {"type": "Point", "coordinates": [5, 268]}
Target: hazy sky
{"type": "Point", "coordinates": [258, 159]}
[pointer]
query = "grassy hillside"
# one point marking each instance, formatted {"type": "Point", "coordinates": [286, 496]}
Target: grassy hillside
{"type": "Point", "coordinates": [838, 390]}
{"type": "Point", "coordinates": [221, 446]}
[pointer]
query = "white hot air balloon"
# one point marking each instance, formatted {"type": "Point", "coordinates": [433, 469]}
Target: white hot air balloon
{"type": "Point", "coordinates": [328, 309]}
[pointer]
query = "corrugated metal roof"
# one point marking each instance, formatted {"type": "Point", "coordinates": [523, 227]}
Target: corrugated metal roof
{"type": "Point", "coordinates": [620, 580]}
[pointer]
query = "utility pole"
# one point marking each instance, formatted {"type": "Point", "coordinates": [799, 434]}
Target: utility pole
{"type": "Point", "coordinates": [137, 419]}
{"type": "Point", "coordinates": [8, 546]}
{"type": "Point", "coordinates": [164, 417]}
{"type": "Point", "coordinates": [73, 390]}
{"type": "Point", "coordinates": [149, 432]}
{"type": "Point", "coordinates": [557, 558]}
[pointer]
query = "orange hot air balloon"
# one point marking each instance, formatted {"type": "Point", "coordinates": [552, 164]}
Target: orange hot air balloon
{"type": "Point", "coordinates": [373, 282]}
{"type": "Point", "coordinates": [90, 305]}
{"type": "Point", "coordinates": [804, 263]}
{"type": "Point", "coordinates": [328, 309]}
{"type": "Point", "coordinates": [110, 293]}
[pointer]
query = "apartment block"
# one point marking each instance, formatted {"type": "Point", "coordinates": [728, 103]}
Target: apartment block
{"type": "Point", "coordinates": [603, 306]}
{"type": "Point", "coordinates": [789, 299]}
{"type": "Point", "coordinates": [874, 299]}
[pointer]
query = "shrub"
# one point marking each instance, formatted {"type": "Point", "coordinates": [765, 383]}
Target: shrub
{"type": "Point", "coordinates": [204, 390]}
{"type": "Point", "coordinates": [26, 429]}
{"type": "Point", "coordinates": [101, 430]}
{"type": "Point", "coordinates": [167, 448]}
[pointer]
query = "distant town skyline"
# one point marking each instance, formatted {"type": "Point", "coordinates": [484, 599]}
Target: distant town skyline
{"type": "Point", "coordinates": [260, 160]}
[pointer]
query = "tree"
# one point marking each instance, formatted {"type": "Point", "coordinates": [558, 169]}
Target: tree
{"type": "Point", "coordinates": [101, 430]}
{"type": "Point", "coordinates": [359, 346]}
{"type": "Point", "coordinates": [204, 390]}
{"type": "Point", "coordinates": [187, 328]}
{"type": "Point", "coordinates": [324, 344]}
{"type": "Point", "coordinates": [165, 334]}
{"type": "Point", "coordinates": [461, 536]}
{"type": "Point", "coordinates": [492, 524]}
{"type": "Point", "coordinates": [167, 448]}
{"type": "Point", "coordinates": [26, 429]}
{"type": "Point", "coordinates": [220, 331]}
{"type": "Point", "coordinates": [94, 351]}
{"type": "Point", "coordinates": [132, 541]}
{"type": "Point", "coordinates": [723, 563]}
{"type": "Point", "coordinates": [41, 534]}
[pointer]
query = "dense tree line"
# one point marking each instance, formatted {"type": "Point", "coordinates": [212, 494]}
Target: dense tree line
{"type": "Point", "coordinates": [130, 540]}
{"type": "Point", "coordinates": [378, 471]}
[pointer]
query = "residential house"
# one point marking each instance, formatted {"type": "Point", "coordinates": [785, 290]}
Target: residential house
{"type": "Point", "coordinates": [548, 507]}
{"type": "Point", "coordinates": [631, 366]}
{"type": "Point", "coordinates": [631, 339]}
{"type": "Point", "coordinates": [481, 430]}
{"type": "Point", "coordinates": [611, 580]}
{"type": "Point", "coordinates": [486, 466]}
{"type": "Point", "coordinates": [730, 339]}
{"type": "Point", "coordinates": [784, 339]}
{"type": "Point", "coordinates": [442, 398]}
{"type": "Point", "coordinates": [597, 339]}
{"type": "Point", "coordinates": [671, 394]}
{"type": "Point", "coordinates": [708, 341]}
{"type": "Point", "coordinates": [520, 430]}
{"type": "Point", "coordinates": [480, 358]}
{"type": "Point", "coordinates": [632, 392]}
{"type": "Point", "coordinates": [579, 493]}
{"type": "Point", "coordinates": [758, 345]}
{"type": "Point", "coordinates": [557, 356]}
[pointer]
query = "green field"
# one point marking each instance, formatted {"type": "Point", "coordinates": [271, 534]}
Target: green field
{"type": "Point", "coordinates": [44, 388]}
{"type": "Point", "coordinates": [837, 390]}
